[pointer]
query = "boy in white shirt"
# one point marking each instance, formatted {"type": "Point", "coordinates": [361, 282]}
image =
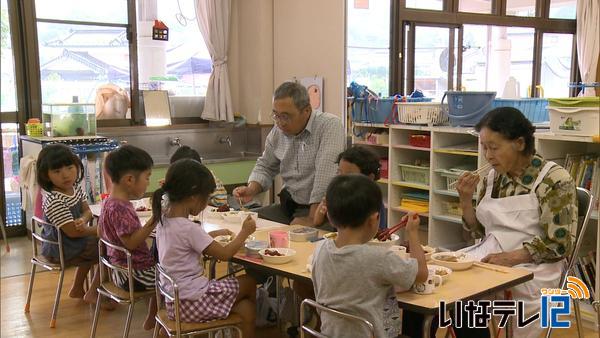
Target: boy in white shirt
{"type": "Point", "coordinates": [353, 204]}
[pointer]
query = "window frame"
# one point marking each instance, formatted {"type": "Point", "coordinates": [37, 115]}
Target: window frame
{"type": "Point", "coordinates": [28, 20]}
{"type": "Point", "coordinates": [451, 17]}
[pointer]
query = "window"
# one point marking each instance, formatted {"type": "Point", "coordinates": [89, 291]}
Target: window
{"type": "Point", "coordinates": [556, 64]}
{"type": "Point", "coordinates": [8, 95]}
{"type": "Point", "coordinates": [498, 52]}
{"type": "Point", "coordinates": [492, 55]}
{"type": "Point", "coordinates": [520, 7]}
{"type": "Point", "coordinates": [368, 59]}
{"type": "Point", "coordinates": [431, 60]}
{"type": "Point", "coordinates": [563, 9]}
{"type": "Point", "coordinates": [76, 58]}
{"type": "Point", "coordinates": [11, 193]}
{"type": "Point", "coordinates": [182, 64]}
{"type": "Point", "coordinates": [475, 6]}
{"type": "Point", "coordinates": [425, 4]}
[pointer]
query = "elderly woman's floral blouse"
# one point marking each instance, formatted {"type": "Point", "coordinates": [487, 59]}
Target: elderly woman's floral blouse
{"type": "Point", "coordinates": [558, 208]}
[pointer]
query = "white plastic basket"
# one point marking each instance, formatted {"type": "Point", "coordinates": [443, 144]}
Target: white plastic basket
{"type": "Point", "coordinates": [429, 113]}
{"type": "Point", "coordinates": [414, 174]}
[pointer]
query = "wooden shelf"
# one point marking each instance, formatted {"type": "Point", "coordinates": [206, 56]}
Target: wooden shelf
{"type": "Point", "coordinates": [450, 193]}
{"type": "Point", "coordinates": [371, 144]}
{"type": "Point", "coordinates": [383, 181]}
{"type": "Point", "coordinates": [572, 138]}
{"type": "Point", "coordinates": [448, 218]}
{"type": "Point", "coordinates": [370, 125]}
{"type": "Point", "coordinates": [455, 152]}
{"type": "Point", "coordinates": [399, 209]}
{"type": "Point", "coordinates": [409, 147]}
{"type": "Point", "coordinates": [410, 185]}
{"type": "Point", "coordinates": [411, 127]}
{"type": "Point", "coordinates": [446, 192]}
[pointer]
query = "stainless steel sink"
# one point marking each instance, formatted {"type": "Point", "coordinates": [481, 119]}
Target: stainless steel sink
{"type": "Point", "coordinates": [229, 157]}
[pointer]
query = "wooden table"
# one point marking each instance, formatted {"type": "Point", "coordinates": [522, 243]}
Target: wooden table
{"type": "Point", "coordinates": [473, 283]}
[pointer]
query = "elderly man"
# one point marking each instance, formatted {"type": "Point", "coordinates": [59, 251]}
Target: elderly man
{"type": "Point", "coordinates": [302, 147]}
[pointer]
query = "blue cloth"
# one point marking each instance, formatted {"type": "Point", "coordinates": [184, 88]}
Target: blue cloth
{"type": "Point", "coordinates": [72, 247]}
{"type": "Point", "coordinates": [383, 217]}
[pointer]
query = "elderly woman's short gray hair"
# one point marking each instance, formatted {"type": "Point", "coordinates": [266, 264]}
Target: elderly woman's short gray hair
{"type": "Point", "coordinates": [296, 91]}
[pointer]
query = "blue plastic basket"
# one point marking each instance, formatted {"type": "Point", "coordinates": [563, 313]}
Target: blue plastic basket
{"type": "Point", "coordinates": [467, 108]}
{"type": "Point", "coordinates": [534, 109]}
{"type": "Point", "coordinates": [372, 110]}
{"type": "Point", "coordinates": [13, 208]}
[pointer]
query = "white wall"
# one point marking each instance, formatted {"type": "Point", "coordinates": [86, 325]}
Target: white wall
{"type": "Point", "coordinates": [272, 41]}
{"type": "Point", "coordinates": [251, 58]}
{"type": "Point", "coordinates": [309, 40]}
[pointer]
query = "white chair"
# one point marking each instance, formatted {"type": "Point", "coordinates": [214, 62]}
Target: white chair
{"type": "Point", "coordinates": [309, 302]}
{"type": "Point", "coordinates": [177, 328]}
{"type": "Point", "coordinates": [38, 259]}
{"type": "Point", "coordinates": [110, 290]}
{"type": "Point", "coordinates": [584, 202]}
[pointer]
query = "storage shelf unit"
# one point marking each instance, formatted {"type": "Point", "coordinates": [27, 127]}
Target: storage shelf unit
{"type": "Point", "coordinates": [454, 147]}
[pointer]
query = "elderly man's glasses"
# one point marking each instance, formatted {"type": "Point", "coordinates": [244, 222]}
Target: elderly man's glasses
{"type": "Point", "coordinates": [281, 118]}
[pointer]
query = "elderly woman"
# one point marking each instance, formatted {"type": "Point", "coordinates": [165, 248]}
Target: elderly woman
{"type": "Point", "coordinates": [526, 210]}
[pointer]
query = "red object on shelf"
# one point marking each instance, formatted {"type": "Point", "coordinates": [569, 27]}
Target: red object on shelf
{"type": "Point", "coordinates": [420, 140]}
{"type": "Point", "coordinates": [160, 31]}
{"type": "Point", "coordinates": [383, 172]}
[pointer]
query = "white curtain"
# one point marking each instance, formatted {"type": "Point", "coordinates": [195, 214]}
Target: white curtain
{"type": "Point", "coordinates": [213, 19]}
{"type": "Point", "coordinates": [588, 41]}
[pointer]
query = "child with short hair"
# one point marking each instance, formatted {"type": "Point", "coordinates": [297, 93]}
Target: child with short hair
{"type": "Point", "coordinates": [219, 196]}
{"type": "Point", "coordinates": [64, 204]}
{"type": "Point", "coordinates": [129, 169]}
{"type": "Point", "coordinates": [353, 204]}
{"type": "Point", "coordinates": [181, 243]}
{"type": "Point", "coordinates": [354, 160]}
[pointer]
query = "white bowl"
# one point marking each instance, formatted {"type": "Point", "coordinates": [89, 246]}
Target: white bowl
{"type": "Point", "coordinates": [453, 260]}
{"type": "Point", "coordinates": [303, 234]}
{"type": "Point", "coordinates": [394, 240]}
{"type": "Point", "coordinates": [439, 270]}
{"type": "Point", "coordinates": [224, 239]}
{"type": "Point", "coordinates": [428, 251]}
{"type": "Point", "coordinates": [288, 255]}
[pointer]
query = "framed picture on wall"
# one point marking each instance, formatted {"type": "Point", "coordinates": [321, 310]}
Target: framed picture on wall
{"type": "Point", "coordinates": [314, 85]}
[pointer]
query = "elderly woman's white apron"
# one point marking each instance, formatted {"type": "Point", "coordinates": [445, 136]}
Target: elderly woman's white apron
{"type": "Point", "coordinates": [509, 222]}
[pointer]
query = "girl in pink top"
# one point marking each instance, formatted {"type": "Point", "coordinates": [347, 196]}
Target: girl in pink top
{"type": "Point", "coordinates": [181, 243]}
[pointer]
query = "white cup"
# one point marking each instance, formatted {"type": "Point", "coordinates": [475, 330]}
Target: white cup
{"type": "Point", "coordinates": [433, 282]}
{"type": "Point", "coordinates": [399, 250]}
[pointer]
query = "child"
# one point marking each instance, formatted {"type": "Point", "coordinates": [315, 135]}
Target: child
{"type": "Point", "coordinates": [129, 169]}
{"type": "Point", "coordinates": [353, 204]}
{"type": "Point", "coordinates": [219, 196]}
{"type": "Point", "coordinates": [59, 174]}
{"type": "Point", "coordinates": [354, 160]}
{"type": "Point", "coordinates": [181, 243]}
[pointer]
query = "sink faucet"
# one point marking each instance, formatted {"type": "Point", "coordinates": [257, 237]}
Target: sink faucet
{"type": "Point", "coordinates": [175, 141]}
{"type": "Point", "coordinates": [225, 140]}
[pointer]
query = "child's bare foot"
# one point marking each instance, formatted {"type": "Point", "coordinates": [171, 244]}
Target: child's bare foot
{"type": "Point", "coordinates": [108, 305]}
{"type": "Point", "coordinates": [76, 293]}
{"type": "Point", "coordinates": [149, 323]}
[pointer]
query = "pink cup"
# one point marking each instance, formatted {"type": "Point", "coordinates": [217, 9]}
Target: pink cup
{"type": "Point", "coordinates": [279, 239]}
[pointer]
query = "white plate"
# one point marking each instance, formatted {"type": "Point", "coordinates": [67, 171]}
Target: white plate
{"type": "Point", "coordinates": [437, 268]}
{"type": "Point", "coordinates": [288, 255]}
{"type": "Point", "coordinates": [463, 260]}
